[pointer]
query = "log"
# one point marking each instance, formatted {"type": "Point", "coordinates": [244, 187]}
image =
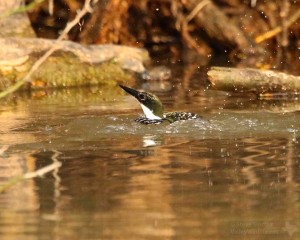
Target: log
{"type": "Point", "coordinates": [252, 80]}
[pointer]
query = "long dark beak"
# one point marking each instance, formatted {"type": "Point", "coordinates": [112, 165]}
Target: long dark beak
{"type": "Point", "coordinates": [131, 91]}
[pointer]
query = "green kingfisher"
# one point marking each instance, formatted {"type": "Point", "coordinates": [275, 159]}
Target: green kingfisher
{"type": "Point", "coordinates": [153, 109]}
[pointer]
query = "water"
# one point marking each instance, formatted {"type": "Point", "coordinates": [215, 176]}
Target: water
{"type": "Point", "coordinates": [232, 175]}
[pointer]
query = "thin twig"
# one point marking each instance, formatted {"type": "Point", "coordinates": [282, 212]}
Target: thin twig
{"type": "Point", "coordinates": [197, 9]}
{"type": "Point", "coordinates": [86, 9]}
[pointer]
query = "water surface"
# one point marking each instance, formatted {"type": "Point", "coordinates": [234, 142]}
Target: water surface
{"type": "Point", "coordinates": [232, 175]}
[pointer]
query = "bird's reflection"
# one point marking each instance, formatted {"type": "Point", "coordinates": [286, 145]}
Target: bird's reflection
{"type": "Point", "coordinates": [150, 140]}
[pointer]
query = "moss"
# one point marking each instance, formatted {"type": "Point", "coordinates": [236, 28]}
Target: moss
{"type": "Point", "coordinates": [66, 71]}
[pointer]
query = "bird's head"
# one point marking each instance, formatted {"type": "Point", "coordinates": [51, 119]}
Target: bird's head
{"type": "Point", "coordinates": [151, 105]}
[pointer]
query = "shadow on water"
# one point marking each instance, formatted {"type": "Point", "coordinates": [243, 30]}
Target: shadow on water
{"type": "Point", "coordinates": [232, 175]}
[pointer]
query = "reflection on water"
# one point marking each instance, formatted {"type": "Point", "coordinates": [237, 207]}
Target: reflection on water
{"type": "Point", "coordinates": [231, 175]}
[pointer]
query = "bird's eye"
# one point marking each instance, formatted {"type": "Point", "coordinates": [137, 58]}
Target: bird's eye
{"type": "Point", "coordinates": [142, 96]}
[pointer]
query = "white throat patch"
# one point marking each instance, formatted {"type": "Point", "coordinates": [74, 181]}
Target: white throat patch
{"type": "Point", "coordinates": [149, 114]}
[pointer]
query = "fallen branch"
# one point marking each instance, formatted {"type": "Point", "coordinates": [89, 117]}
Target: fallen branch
{"type": "Point", "coordinates": [252, 80]}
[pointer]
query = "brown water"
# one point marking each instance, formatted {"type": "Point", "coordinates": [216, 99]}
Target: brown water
{"type": "Point", "coordinates": [232, 175]}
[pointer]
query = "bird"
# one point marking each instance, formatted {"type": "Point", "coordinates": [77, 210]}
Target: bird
{"type": "Point", "coordinates": [154, 110]}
